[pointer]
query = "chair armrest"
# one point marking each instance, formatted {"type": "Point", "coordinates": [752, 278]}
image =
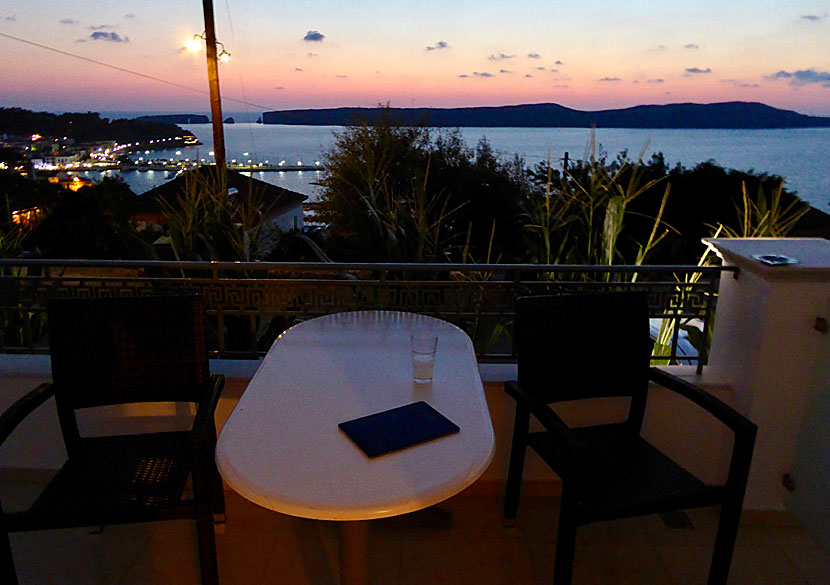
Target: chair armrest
{"type": "Point", "coordinates": [202, 423]}
{"type": "Point", "coordinates": [717, 408]}
{"type": "Point", "coordinates": [22, 407]}
{"type": "Point", "coordinates": [546, 416]}
{"type": "Point", "coordinates": [744, 429]}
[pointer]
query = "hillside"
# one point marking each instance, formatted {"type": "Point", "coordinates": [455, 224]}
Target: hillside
{"type": "Point", "coordinates": [720, 115]}
{"type": "Point", "coordinates": [84, 127]}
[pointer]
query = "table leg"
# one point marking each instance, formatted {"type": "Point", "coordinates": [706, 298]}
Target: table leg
{"type": "Point", "coordinates": [354, 552]}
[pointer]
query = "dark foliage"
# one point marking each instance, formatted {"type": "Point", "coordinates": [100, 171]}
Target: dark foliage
{"type": "Point", "coordinates": [83, 127]}
{"type": "Point", "coordinates": [18, 192]}
{"type": "Point", "coordinates": [701, 198]}
{"type": "Point", "coordinates": [93, 222]}
{"type": "Point", "coordinates": [406, 194]}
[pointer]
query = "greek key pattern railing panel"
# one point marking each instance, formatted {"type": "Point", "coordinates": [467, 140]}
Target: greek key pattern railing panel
{"type": "Point", "coordinates": [250, 304]}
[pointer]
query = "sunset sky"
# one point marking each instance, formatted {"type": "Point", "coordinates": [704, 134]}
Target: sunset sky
{"type": "Point", "coordinates": [592, 54]}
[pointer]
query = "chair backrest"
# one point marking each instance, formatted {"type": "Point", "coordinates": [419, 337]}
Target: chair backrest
{"type": "Point", "coordinates": [129, 349]}
{"type": "Point", "coordinates": [578, 346]}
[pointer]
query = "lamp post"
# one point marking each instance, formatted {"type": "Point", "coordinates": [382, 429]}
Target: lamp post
{"type": "Point", "coordinates": [215, 100]}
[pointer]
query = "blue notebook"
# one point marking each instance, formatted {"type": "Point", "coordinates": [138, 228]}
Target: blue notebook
{"type": "Point", "coordinates": [392, 430]}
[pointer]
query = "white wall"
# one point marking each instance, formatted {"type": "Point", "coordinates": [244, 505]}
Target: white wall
{"type": "Point", "coordinates": [290, 220]}
{"type": "Point", "coordinates": [765, 346]}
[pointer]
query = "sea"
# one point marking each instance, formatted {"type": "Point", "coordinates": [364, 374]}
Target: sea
{"type": "Point", "coordinates": [800, 156]}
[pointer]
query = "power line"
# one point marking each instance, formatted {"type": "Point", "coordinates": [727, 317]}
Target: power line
{"type": "Point", "coordinates": [129, 71]}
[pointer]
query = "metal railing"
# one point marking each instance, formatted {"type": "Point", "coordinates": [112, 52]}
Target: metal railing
{"type": "Point", "coordinates": [250, 304]}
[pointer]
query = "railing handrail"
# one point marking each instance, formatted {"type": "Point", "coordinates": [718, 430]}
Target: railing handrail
{"type": "Point", "coordinates": [376, 266]}
{"type": "Point", "coordinates": [249, 303]}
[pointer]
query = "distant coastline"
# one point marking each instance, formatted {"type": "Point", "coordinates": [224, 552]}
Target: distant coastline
{"type": "Point", "coordinates": [175, 118]}
{"type": "Point", "coordinates": [727, 115]}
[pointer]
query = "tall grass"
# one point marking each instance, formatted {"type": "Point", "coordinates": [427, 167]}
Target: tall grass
{"type": "Point", "coordinates": [581, 218]}
{"type": "Point", "coordinates": [206, 223]}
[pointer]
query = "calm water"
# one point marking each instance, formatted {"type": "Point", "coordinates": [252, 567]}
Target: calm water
{"type": "Point", "coordinates": [799, 155]}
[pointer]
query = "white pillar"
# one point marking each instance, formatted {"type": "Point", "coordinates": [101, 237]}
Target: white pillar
{"type": "Point", "coordinates": [766, 345]}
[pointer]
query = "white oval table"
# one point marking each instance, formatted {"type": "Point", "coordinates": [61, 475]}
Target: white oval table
{"type": "Point", "coordinates": [282, 449]}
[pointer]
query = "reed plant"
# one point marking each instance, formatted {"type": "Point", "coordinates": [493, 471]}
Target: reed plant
{"type": "Point", "coordinates": [765, 216]}
{"type": "Point", "coordinates": [581, 218]}
{"type": "Point", "coordinates": [205, 222]}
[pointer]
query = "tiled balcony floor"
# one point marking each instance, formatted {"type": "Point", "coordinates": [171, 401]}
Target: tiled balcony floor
{"type": "Point", "coordinates": [460, 542]}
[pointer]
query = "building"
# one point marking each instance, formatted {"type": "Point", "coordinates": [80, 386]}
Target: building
{"type": "Point", "coordinates": [282, 209]}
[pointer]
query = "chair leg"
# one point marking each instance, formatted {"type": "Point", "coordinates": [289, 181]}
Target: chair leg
{"type": "Point", "coordinates": [218, 503]}
{"type": "Point", "coordinates": [565, 538]}
{"type": "Point", "coordinates": [8, 574]}
{"type": "Point", "coordinates": [217, 495]}
{"type": "Point", "coordinates": [217, 488]}
{"type": "Point", "coordinates": [518, 450]}
{"type": "Point", "coordinates": [204, 467]}
{"type": "Point", "coordinates": [207, 547]}
{"type": "Point", "coordinates": [730, 516]}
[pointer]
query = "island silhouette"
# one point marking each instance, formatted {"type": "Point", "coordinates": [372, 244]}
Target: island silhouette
{"type": "Point", "coordinates": [727, 115]}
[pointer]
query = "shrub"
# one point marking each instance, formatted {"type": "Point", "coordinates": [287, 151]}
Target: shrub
{"type": "Point", "coordinates": [410, 194]}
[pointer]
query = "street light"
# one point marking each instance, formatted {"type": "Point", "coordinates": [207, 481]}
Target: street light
{"type": "Point", "coordinates": [195, 45]}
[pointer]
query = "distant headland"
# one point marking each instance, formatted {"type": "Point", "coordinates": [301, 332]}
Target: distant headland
{"type": "Point", "coordinates": [176, 119]}
{"type": "Point", "coordinates": [726, 115]}
{"type": "Point", "coordinates": [86, 127]}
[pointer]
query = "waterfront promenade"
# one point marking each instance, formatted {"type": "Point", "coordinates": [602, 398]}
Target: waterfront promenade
{"type": "Point", "coordinates": [259, 168]}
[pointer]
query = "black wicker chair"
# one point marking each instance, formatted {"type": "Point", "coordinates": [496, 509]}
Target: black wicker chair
{"type": "Point", "coordinates": [597, 345]}
{"type": "Point", "coordinates": [120, 351]}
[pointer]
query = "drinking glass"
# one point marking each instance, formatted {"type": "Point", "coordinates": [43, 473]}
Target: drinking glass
{"type": "Point", "coordinates": [424, 344]}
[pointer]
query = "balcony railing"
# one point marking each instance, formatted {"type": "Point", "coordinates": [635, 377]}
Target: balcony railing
{"type": "Point", "coordinates": [250, 304]}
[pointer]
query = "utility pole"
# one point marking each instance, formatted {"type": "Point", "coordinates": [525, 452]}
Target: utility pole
{"type": "Point", "coordinates": [215, 100]}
